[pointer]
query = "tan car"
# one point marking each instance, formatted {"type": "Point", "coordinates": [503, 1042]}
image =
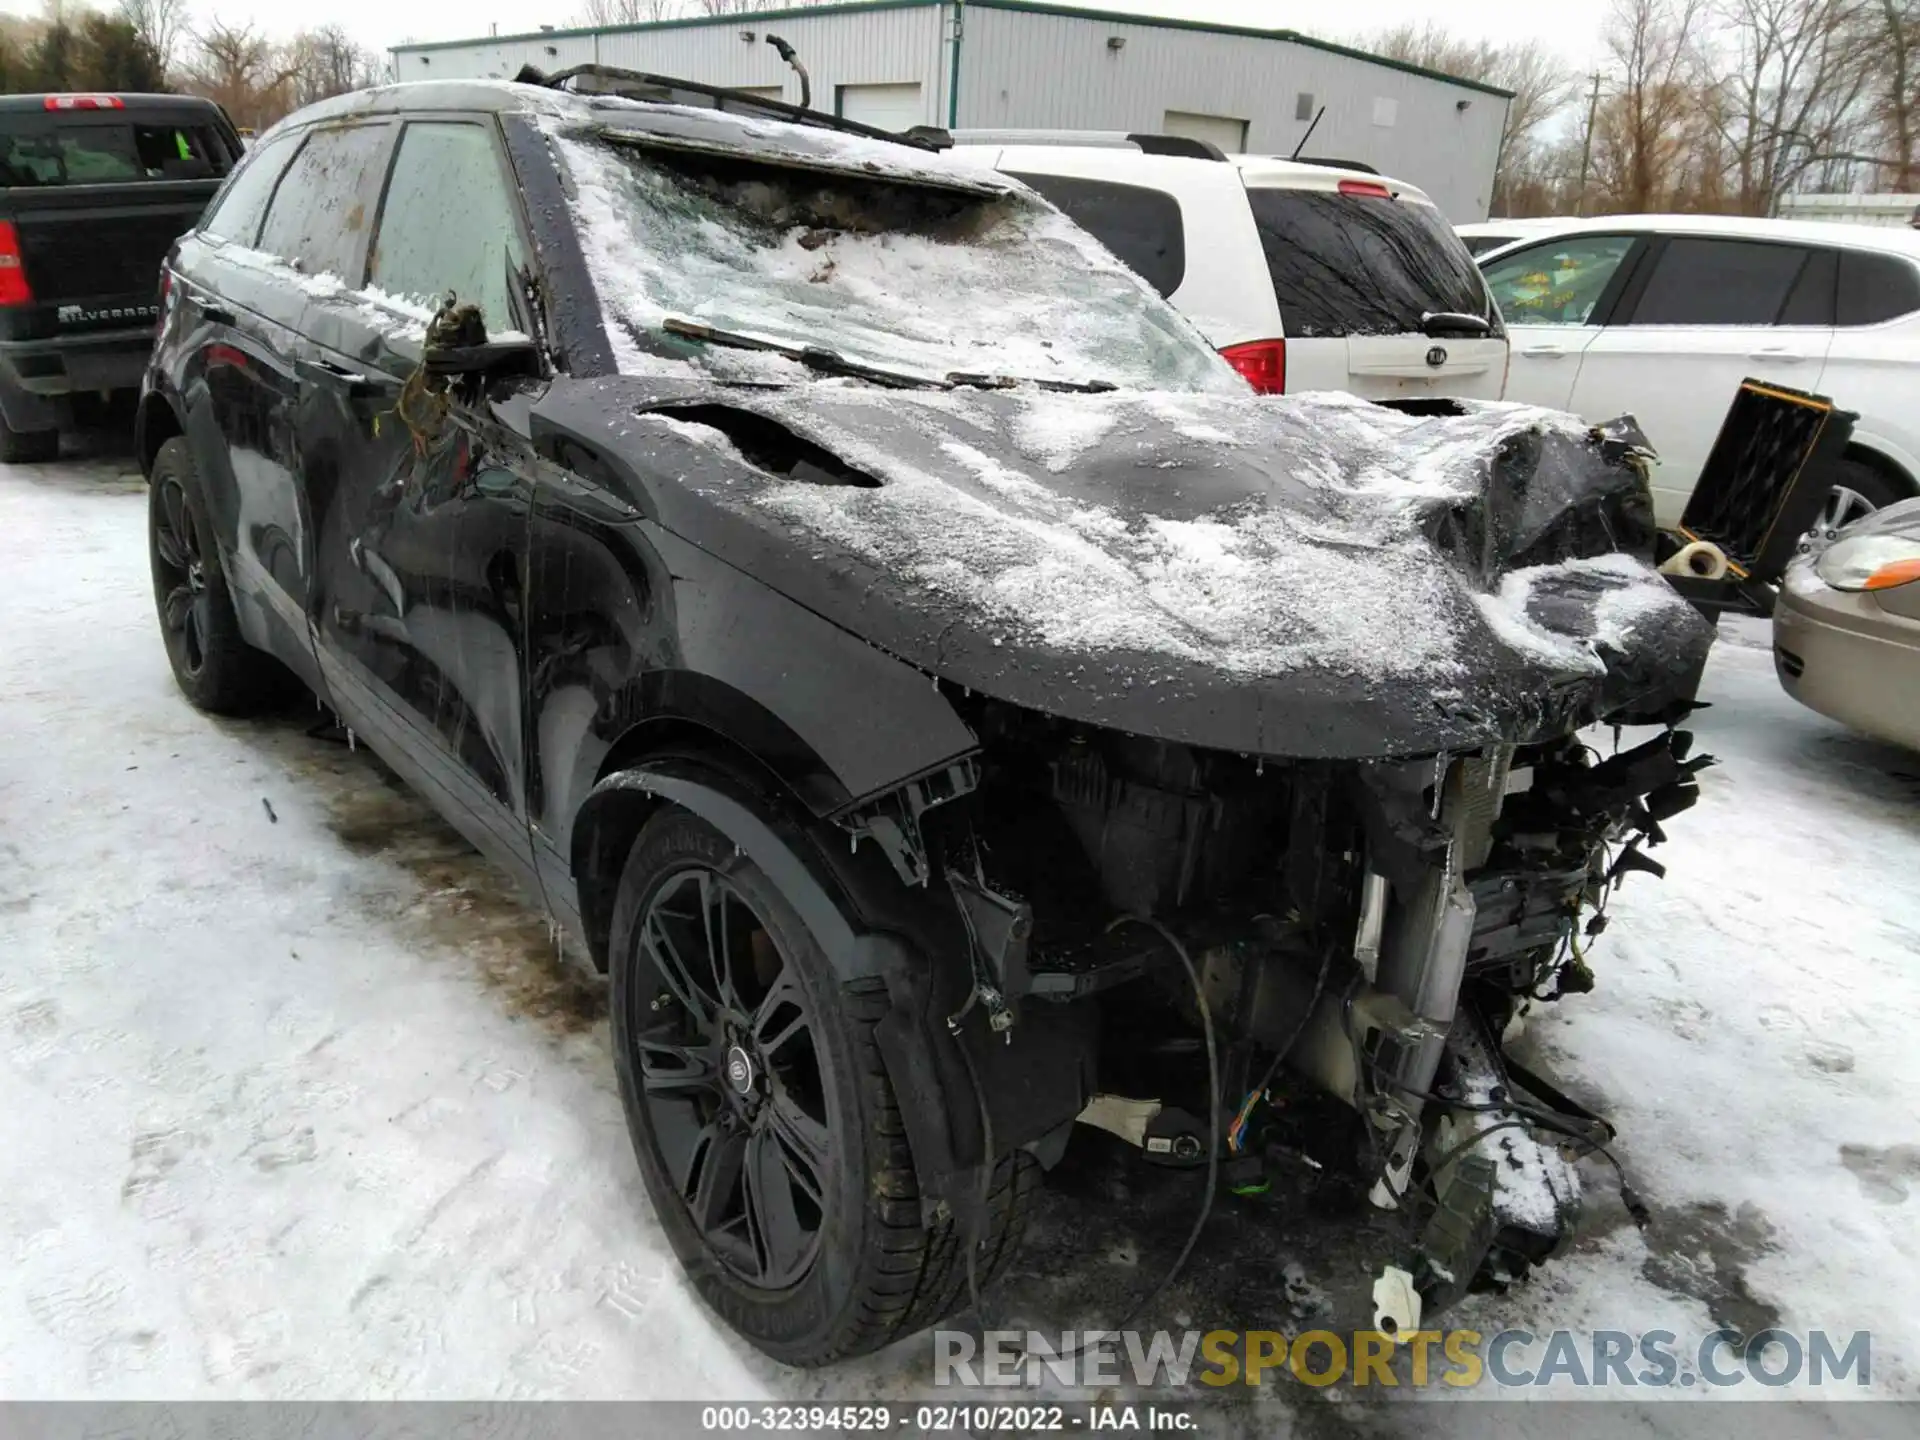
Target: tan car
{"type": "Point", "coordinates": [1846, 631]}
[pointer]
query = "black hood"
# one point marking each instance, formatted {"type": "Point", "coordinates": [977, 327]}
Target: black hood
{"type": "Point", "coordinates": [1308, 576]}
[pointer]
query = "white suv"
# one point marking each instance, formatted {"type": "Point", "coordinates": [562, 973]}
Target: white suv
{"type": "Point", "coordinates": [1662, 317]}
{"type": "Point", "coordinates": [1305, 275]}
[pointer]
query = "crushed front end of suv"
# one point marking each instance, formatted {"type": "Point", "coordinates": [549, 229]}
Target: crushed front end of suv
{"type": "Point", "coordinates": [942, 696]}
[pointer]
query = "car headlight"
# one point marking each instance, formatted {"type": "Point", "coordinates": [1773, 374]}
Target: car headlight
{"type": "Point", "coordinates": [1870, 562]}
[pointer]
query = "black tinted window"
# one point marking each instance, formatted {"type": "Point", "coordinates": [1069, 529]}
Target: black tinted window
{"type": "Point", "coordinates": [320, 213]}
{"type": "Point", "coordinates": [1719, 282]}
{"type": "Point", "coordinates": [1361, 264]}
{"type": "Point", "coordinates": [1876, 287]}
{"type": "Point", "coordinates": [1811, 302]}
{"type": "Point", "coordinates": [35, 151]}
{"type": "Point", "coordinates": [238, 209]}
{"type": "Point", "coordinates": [1139, 225]}
{"type": "Point", "coordinates": [444, 170]}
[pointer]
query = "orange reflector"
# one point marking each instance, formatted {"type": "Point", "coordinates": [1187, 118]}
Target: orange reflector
{"type": "Point", "coordinates": [1900, 572]}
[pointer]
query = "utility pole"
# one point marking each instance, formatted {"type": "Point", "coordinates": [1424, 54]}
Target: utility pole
{"type": "Point", "coordinates": [1586, 147]}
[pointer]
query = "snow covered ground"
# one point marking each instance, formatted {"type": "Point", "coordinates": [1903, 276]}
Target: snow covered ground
{"type": "Point", "coordinates": [295, 1100]}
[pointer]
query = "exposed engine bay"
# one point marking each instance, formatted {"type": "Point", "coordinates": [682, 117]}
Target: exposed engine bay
{"type": "Point", "coordinates": [1369, 929]}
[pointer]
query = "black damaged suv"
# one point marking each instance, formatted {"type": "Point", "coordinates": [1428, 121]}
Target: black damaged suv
{"type": "Point", "coordinates": [94, 190]}
{"type": "Point", "coordinates": [942, 696]}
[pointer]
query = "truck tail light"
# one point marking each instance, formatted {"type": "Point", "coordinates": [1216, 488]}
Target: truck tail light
{"type": "Point", "coordinates": [1262, 362]}
{"type": "Point", "coordinates": [14, 289]}
{"type": "Point", "coordinates": [85, 102]}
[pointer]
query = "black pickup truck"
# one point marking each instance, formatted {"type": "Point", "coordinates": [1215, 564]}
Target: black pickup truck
{"type": "Point", "coordinates": [94, 189]}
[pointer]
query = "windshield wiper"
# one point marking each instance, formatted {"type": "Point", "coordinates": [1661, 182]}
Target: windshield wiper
{"type": "Point", "coordinates": [1009, 382]}
{"type": "Point", "coordinates": [814, 357]}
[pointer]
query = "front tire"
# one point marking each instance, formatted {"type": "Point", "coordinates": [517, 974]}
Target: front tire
{"type": "Point", "coordinates": [766, 1130]}
{"type": "Point", "coordinates": [215, 667]}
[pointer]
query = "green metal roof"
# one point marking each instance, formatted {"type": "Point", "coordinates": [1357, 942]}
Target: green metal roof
{"type": "Point", "coordinates": [1034, 7]}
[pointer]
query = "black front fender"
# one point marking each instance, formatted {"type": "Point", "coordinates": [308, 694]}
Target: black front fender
{"type": "Point", "coordinates": [1031, 1082]}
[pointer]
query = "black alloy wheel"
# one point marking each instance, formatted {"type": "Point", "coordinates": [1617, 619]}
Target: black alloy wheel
{"type": "Point", "coordinates": [180, 578]}
{"type": "Point", "coordinates": [729, 1072]}
{"type": "Point", "coordinates": [212, 662]}
{"type": "Point", "coordinates": [763, 1119]}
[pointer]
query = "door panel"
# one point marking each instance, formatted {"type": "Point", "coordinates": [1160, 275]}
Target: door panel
{"type": "Point", "coordinates": [420, 502]}
{"type": "Point", "coordinates": [239, 390]}
{"type": "Point", "coordinates": [1706, 320]}
{"type": "Point", "coordinates": [1554, 297]}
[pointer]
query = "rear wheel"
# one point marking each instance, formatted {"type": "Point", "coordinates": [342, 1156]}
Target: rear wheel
{"type": "Point", "coordinates": [27, 447]}
{"type": "Point", "coordinates": [212, 662]}
{"type": "Point", "coordinates": [766, 1130]}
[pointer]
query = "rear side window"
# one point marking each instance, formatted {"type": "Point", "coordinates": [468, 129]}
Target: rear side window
{"type": "Point", "coordinates": [1141, 226]}
{"type": "Point", "coordinates": [1362, 264]}
{"type": "Point", "coordinates": [1811, 302]}
{"type": "Point", "coordinates": [447, 169]}
{"type": "Point", "coordinates": [322, 209]}
{"type": "Point", "coordinates": [237, 212]}
{"type": "Point", "coordinates": [1876, 287]}
{"type": "Point", "coordinates": [37, 151]}
{"type": "Point", "coordinates": [1719, 282]}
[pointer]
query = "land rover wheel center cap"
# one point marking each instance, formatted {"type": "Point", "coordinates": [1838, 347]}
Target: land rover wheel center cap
{"type": "Point", "coordinates": [740, 1074]}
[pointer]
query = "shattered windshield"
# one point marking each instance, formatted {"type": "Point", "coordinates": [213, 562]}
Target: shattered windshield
{"type": "Point", "coordinates": [884, 271]}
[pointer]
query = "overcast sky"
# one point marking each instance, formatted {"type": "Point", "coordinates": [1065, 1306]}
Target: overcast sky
{"type": "Point", "coordinates": [1572, 30]}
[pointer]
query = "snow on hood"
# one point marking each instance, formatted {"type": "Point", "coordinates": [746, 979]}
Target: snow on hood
{"type": "Point", "coordinates": [1254, 536]}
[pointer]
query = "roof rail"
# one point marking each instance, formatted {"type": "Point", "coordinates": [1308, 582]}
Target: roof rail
{"type": "Point", "coordinates": [1179, 145]}
{"type": "Point", "coordinates": [1331, 164]}
{"type": "Point", "coordinates": [627, 84]}
{"type": "Point", "coordinates": [1151, 144]}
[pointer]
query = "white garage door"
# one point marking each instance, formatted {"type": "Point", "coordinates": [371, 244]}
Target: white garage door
{"type": "Point", "coordinates": [885, 107]}
{"type": "Point", "coordinates": [1221, 130]}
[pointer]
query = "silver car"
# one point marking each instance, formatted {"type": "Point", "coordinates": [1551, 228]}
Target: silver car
{"type": "Point", "coordinates": [1846, 631]}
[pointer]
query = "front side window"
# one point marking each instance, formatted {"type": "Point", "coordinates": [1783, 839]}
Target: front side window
{"type": "Point", "coordinates": [1362, 264]}
{"type": "Point", "coordinates": [1140, 225]}
{"type": "Point", "coordinates": [1558, 282]}
{"type": "Point", "coordinates": [893, 269]}
{"type": "Point", "coordinates": [1701, 281]}
{"type": "Point", "coordinates": [448, 222]}
{"type": "Point", "coordinates": [238, 210]}
{"type": "Point", "coordinates": [318, 220]}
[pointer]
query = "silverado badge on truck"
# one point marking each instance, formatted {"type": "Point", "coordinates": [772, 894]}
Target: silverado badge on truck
{"type": "Point", "coordinates": [115, 314]}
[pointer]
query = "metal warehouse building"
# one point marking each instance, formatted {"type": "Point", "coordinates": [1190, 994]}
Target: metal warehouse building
{"type": "Point", "coordinates": [995, 64]}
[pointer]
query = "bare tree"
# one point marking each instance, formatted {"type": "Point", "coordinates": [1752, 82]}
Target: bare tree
{"type": "Point", "coordinates": [239, 69]}
{"type": "Point", "coordinates": [629, 12]}
{"type": "Point", "coordinates": [159, 23]}
{"type": "Point", "coordinates": [1646, 135]}
{"type": "Point", "coordinates": [328, 62]}
{"type": "Point", "coordinates": [1541, 86]}
{"type": "Point", "coordinates": [1889, 35]}
{"type": "Point", "coordinates": [1781, 80]}
{"type": "Point", "coordinates": [640, 12]}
